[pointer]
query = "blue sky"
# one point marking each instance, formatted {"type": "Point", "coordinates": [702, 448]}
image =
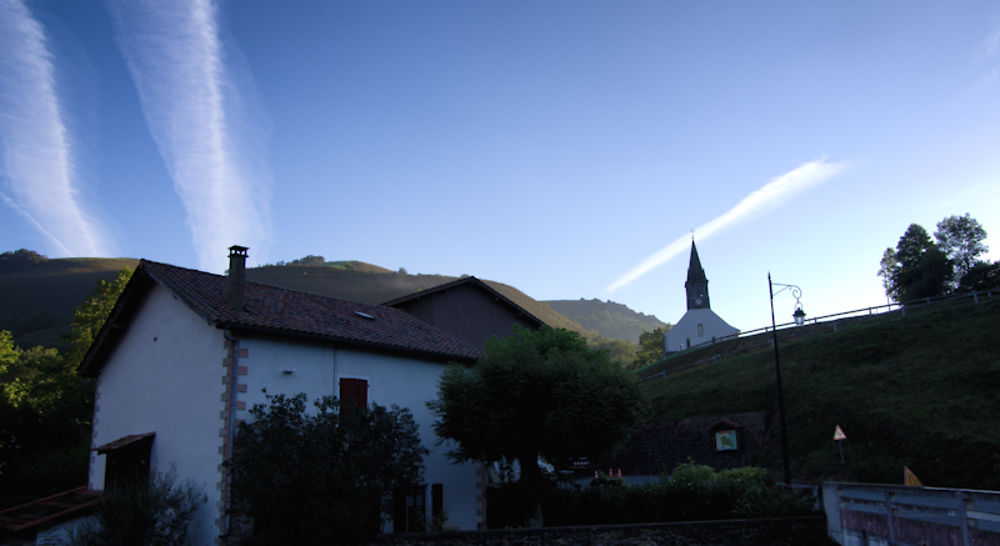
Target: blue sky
{"type": "Point", "coordinates": [566, 148]}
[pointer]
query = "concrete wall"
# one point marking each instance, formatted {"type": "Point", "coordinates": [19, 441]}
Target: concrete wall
{"type": "Point", "coordinates": [166, 376]}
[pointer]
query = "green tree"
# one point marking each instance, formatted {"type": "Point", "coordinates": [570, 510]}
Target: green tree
{"type": "Point", "coordinates": [961, 239]}
{"type": "Point", "coordinates": [46, 408]}
{"type": "Point", "coordinates": [917, 268]}
{"type": "Point", "coordinates": [620, 352]}
{"type": "Point", "coordinates": [310, 260]}
{"type": "Point", "coordinates": [650, 347]}
{"type": "Point", "coordinates": [536, 394]}
{"type": "Point", "coordinates": [90, 316]}
{"type": "Point", "coordinates": [44, 423]}
{"type": "Point", "coordinates": [19, 259]}
{"type": "Point", "coordinates": [322, 476]}
{"type": "Point", "coordinates": [981, 276]}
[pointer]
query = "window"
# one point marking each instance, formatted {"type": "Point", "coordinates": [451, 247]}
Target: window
{"type": "Point", "coordinates": [701, 330]}
{"type": "Point", "coordinates": [409, 510]}
{"type": "Point", "coordinates": [353, 393]}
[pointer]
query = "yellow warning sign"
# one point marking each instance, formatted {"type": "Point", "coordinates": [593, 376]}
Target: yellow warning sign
{"type": "Point", "coordinates": [838, 434]}
{"type": "Point", "coordinates": [909, 478]}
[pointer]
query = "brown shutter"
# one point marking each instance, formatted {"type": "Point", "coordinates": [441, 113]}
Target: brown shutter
{"type": "Point", "coordinates": [353, 393]}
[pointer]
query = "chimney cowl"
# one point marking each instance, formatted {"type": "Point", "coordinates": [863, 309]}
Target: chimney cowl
{"type": "Point", "coordinates": [237, 276]}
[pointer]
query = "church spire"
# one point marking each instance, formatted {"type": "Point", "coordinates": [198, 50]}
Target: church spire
{"type": "Point", "coordinates": [697, 284]}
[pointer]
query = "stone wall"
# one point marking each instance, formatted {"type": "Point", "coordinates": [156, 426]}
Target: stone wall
{"type": "Point", "coordinates": [662, 446]}
{"type": "Point", "coordinates": [809, 530]}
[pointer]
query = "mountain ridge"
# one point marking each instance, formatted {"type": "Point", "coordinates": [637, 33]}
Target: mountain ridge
{"type": "Point", "coordinates": [38, 294]}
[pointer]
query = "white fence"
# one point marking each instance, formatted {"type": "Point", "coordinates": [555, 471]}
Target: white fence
{"type": "Point", "coordinates": [859, 514]}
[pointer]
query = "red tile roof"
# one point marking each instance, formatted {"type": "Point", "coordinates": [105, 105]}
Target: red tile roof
{"type": "Point", "coordinates": [281, 312]}
{"type": "Point", "coordinates": [40, 512]}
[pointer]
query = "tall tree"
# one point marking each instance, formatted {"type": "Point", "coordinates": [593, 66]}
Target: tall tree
{"type": "Point", "coordinates": [89, 317]}
{"type": "Point", "coordinates": [650, 347]}
{"type": "Point", "coordinates": [920, 268]}
{"type": "Point", "coordinates": [961, 238]}
{"type": "Point", "coordinates": [536, 394]}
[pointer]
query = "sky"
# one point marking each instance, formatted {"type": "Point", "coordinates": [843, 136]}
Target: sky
{"type": "Point", "coordinates": [568, 148]}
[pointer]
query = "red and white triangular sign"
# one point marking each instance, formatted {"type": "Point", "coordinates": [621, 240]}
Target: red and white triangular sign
{"type": "Point", "coordinates": [838, 434]}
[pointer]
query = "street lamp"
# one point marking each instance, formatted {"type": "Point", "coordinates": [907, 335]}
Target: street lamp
{"type": "Point", "coordinates": [800, 318]}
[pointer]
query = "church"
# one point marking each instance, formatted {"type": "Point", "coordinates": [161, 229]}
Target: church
{"type": "Point", "coordinates": [699, 324]}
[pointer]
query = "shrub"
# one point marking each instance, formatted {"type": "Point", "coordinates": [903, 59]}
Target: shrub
{"type": "Point", "coordinates": [154, 514]}
{"type": "Point", "coordinates": [691, 492]}
{"type": "Point", "coordinates": [322, 477]}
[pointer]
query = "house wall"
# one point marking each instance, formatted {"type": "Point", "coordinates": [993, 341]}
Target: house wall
{"type": "Point", "coordinates": [316, 369]}
{"type": "Point", "coordinates": [468, 313]}
{"type": "Point", "coordinates": [166, 376]}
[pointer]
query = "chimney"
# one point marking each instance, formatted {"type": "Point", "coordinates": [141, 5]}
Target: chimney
{"type": "Point", "coordinates": [237, 275]}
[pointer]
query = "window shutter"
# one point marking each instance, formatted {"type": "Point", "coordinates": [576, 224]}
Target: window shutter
{"type": "Point", "coordinates": [353, 393]}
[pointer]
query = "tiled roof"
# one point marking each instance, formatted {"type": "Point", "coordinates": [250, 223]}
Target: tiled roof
{"type": "Point", "coordinates": [47, 510]}
{"type": "Point", "coordinates": [124, 441]}
{"type": "Point", "coordinates": [284, 312]}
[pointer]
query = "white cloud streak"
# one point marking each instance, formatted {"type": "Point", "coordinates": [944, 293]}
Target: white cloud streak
{"type": "Point", "coordinates": [41, 179]}
{"type": "Point", "coordinates": [196, 109]}
{"type": "Point", "coordinates": [776, 192]}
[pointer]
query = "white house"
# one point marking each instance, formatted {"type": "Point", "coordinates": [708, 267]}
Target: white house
{"type": "Point", "coordinates": [699, 324]}
{"type": "Point", "coordinates": [185, 354]}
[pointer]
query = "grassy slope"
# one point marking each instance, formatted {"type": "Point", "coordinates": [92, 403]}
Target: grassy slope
{"type": "Point", "coordinates": [37, 303]}
{"type": "Point", "coordinates": [920, 390]}
{"type": "Point", "coordinates": [611, 319]}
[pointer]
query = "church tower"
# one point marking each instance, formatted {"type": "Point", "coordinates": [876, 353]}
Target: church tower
{"type": "Point", "coordinates": [697, 284]}
{"type": "Point", "coordinates": [699, 324]}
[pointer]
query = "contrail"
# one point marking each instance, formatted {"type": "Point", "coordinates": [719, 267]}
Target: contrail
{"type": "Point", "coordinates": [36, 153]}
{"type": "Point", "coordinates": [776, 192]}
{"type": "Point", "coordinates": [196, 110]}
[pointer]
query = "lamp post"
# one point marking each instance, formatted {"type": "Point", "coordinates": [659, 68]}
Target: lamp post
{"type": "Point", "coordinates": [800, 318]}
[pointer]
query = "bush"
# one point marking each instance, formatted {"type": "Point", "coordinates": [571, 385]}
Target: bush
{"type": "Point", "coordinates": [324, 477]}
{"type": "Point", "coordinates": [691, 492]}
{"type": "Point", "coordinates": [154, 514]}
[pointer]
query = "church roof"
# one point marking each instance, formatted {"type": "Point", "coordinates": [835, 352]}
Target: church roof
{"type": "Point", "coordinates": [695, 271]}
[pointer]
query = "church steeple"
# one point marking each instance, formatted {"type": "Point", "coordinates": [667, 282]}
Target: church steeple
{"type": "Point", "coordinates": [697, 284]}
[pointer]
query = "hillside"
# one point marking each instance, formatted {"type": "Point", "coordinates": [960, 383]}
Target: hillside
{"type": "Point", "coordinates": [38, 295]}
{"type": "Point", "coordinates": [919, 390]}
{"type": "Point", "coordinates": [611, 319]}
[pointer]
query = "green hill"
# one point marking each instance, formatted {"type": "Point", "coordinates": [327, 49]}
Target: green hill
{"type": "Point", "coordinates": [610, 319]}
{"type": "Point", "coordinates": [919, 390]}
{"type": "Point", "coordinates": [38, 295]}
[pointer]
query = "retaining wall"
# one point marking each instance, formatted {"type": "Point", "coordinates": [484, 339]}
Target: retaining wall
{"type": "Point", "coordinates": [808, 530]}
